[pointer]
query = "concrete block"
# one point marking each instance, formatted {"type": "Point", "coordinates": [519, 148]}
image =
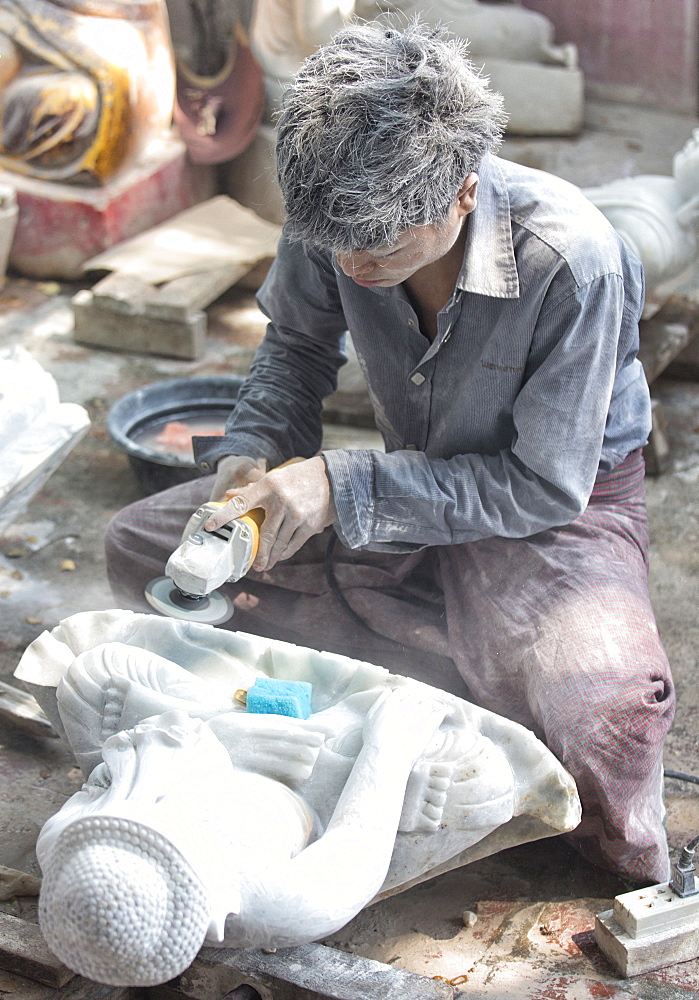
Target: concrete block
{"type": "Point", "coordinates": [123, 313]}
{"type": "Point", "coordinates": [654, 950]}
{"type": "Point", "coordinates": [60, 226]}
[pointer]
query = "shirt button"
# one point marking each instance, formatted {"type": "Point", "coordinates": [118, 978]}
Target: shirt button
{"type": "Point", "coordinates": [411, 447]}
{"type": "Point", "coordinates": [411, 322]}
{"type": "Point", "coordinates": [417, 378]}
{"type": "Point", "coordinates": [205, 467]}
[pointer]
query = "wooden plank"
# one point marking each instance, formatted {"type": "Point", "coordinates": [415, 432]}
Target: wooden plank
{"type": "Point", "coordinates": [183, 296]}
{"type": "Point", "coordinates": [24, 952]}
{"type": "Point", "coordinates": [309, 972]}
{"type": "Point", "coordinates": [23, 711]}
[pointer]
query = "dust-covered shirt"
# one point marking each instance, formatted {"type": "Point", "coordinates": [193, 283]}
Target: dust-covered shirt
{"type": "Point", "coordinates": [501, 424]}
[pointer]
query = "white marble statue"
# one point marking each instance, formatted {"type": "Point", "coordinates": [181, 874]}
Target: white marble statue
{"type": "Point", "coordinates": [284, 32]}
{"type": "Point", "coordinates": [201, 823]}
{"type": "Point", "coordinates": [498, 30]}
{"type": "Point", "coordinates": [36, 430]}
{"type": "Point", "coordinates": [540, 81]}
{"type": "Point", "coordinates": [657, 215]}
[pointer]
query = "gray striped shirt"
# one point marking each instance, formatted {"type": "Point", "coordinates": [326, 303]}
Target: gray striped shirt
{"type": "Point", "coordinates": [498, 427]}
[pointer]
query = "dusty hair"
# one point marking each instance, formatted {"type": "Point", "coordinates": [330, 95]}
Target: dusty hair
{"type": "Point", "coordinates": [378, 132]}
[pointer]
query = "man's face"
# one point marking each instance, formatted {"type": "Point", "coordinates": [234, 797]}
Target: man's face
{"type": "Point", "coordinates": [416, 248]}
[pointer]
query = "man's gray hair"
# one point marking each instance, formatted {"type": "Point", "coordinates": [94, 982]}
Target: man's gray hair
{"type": "Point", "coordinates": [378, 132]}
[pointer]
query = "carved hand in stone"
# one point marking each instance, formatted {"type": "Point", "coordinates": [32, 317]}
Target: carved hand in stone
{"type": "Point", "coordinates": [405, 719]}
{"type": "Point", "coordinates": [273, 745]}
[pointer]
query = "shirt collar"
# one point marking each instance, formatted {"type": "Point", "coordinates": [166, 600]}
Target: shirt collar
{"type": "Point", "coordinates": [489, 266]}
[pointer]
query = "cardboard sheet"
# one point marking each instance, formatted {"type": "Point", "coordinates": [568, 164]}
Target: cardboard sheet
{"type": "Point", "coordinates": [210, 235]}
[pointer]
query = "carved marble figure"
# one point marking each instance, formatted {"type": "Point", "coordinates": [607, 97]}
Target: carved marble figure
{"type": "Point", "coordinates": [84, 85]}
{"type": "Point", "coordinates": [498, 30]}
{"type": "Point", "coordinates": [202, 823]}
{"type": "Point", "coordinates": [284, 32]}
{"type": "Point", "coordinates": [657, 215]}
{"type": "Point", "coordinates": [540, 81]}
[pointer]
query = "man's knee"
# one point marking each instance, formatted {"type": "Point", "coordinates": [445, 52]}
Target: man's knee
{"type": "Point", "coordinates": [619, 722]}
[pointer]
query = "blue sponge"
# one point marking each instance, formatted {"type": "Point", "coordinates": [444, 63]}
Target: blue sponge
{"type": "Point", "coordinates": [276, 697]}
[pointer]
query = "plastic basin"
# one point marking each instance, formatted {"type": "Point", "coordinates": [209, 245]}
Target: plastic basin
{"type": "Point", "coordinates": [179, 399]}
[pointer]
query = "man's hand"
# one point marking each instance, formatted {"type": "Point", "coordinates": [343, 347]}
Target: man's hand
{"type": "Point", "coordinates": [297, 501]}
{"type": "Point", "coordinates": [234, 471]}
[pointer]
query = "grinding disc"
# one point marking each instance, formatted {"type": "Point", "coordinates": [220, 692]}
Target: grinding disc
{"type": "Point", "coordinates": [167, 599]}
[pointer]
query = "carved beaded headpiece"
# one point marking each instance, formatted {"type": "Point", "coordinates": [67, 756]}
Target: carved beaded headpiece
{"type": "Point", "coordinates": [120, 905]}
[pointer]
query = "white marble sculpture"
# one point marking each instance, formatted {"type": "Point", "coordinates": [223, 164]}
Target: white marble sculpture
{"type": "Point", "coordinates": [657, 215]}
{"type": "Point", "coordinates": [540, 81]}
{"type": "Point", "coordinates": [201, 823]}
{"type": "Point", "coordinates": [36, 430]}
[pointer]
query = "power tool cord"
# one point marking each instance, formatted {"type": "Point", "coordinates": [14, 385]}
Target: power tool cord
{"type": "Point", "coordinates": [681, 777]}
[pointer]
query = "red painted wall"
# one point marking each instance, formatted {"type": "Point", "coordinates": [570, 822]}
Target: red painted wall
{"type": "Point", "coordinates": [643, 51]}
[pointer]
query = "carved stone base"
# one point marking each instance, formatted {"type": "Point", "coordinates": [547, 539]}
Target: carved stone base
{"type": "Point", "coordinates": [60, 226]}
{"type": "Point", "coordinates": [540, 100]}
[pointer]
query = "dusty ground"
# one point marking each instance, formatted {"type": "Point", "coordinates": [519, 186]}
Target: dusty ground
{"type": "Point", "coordinates": [534, 905]}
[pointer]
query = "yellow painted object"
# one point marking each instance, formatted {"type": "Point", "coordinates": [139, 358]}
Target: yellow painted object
{"type": "Point", "coordinates": [85, 85]}
{"type": "Point", "coordinates": [255, 517]}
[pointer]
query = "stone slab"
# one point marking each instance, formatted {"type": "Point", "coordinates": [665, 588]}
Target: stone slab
{"type": "Point", "coordinates": [22, 711]}
{"type": "Point", "coordinates": [12, 986]}
{"type": "Point", "coordinates": [309, 972]}
{"type": "Point", "coordinates": [24, 952]}
{"type": "Point", "coordinates": [14, 883]}
{"type": "Point", "coordinates": [686, 364]}
{"type": "Point", "coordinates": [657, 452]}
{"type": "Point", "coordinates": [60, 226]}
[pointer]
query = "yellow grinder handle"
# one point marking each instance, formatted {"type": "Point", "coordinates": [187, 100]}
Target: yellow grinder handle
{"type": "Point", "coordinates": [255, 517]}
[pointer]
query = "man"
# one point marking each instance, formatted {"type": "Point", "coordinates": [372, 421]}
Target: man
{"type": "Point", "coordinates": [500, 542]}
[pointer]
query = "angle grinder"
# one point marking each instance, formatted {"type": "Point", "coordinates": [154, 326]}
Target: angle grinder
{"type": "Point", "coordinates": [203, 561]}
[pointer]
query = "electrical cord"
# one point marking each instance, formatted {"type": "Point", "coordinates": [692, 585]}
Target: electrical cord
{"type": "Point", "coordinates": [681, 777]}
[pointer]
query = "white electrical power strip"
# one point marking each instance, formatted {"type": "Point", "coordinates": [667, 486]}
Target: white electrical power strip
{"type": "Point", "coordinates": [649, 929]}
